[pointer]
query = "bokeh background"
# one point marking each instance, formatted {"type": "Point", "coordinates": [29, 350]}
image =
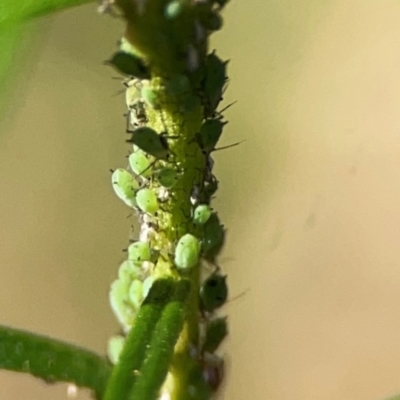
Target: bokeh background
{"type": "Point", "coordinates": [311, 198]}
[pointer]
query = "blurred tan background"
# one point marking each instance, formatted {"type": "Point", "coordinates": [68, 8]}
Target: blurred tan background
{"type": "Point", "coordinates": [311, 198]}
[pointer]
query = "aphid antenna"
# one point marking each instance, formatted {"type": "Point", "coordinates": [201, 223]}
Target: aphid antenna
{"type": "Point", "coordinates": [147, 168]}
{"type": "Point", "coordinates": [227, 147]}
{"type": "Point", "coordinates": [237, 297]}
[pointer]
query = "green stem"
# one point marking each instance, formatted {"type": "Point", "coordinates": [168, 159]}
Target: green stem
{"type": "Point", "coordinates": [138, 339]}
{"type": "Point", "coordinates": [158, 358]}
{"type": "Point", "coordinates": [52, 360]}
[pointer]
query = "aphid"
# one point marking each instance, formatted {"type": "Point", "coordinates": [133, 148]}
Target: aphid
{"type": "Point", "coordinates": [147, 201]}
{"type": "Point", "coordinates": [118, 296]}
{"type": "Point", "coordinates": [221, 3]}
{"type": "Point", "coordinates": [213, 292]}
{"type": "Point", "coordinates": [114, 348]}
{"type": "Point", "coordinates": [147, 284]}
{"type": "Point", "coordinates": [140, 164]}
{"type": "Point", "coordinates": [150, 142]}
{"type": "Point", "coordinates": [139, 252]}
{"type": "Point", "coordinates": [173, 9]}
{"type": "Point", "coordinates": [201, 214]}
{"type": "Point", "coordinates": [128, 271]}
{"type": "Point", "coordinates": [214, 236]}
{"type": "Point", "coordinates": [216, 332]}
{"type": "Point", "coordinates": [211, 20]}
{"type": "Point", "coordinates": [210, 187]}
{"type": "Point", "coordinates": [209, 134]}
{"type": "Point", "coordinates": [136, 293]}
{"type": "Point", "coordinates": [167, 177]}
{"type": "Point", "coordinates": [129, 64]}
{"type": "Point", "coordinates": [215, 80]}
{"type": "Point", "coordinates": [187, 252]}
{"type": "Point", "coordinates": [197, 387]}
{"type": "Point", "coordinates": [125, 186]}
{"type": "Point", "coordinates": [213, 370]}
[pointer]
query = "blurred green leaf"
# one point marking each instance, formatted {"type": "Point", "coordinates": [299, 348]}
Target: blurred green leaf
{"type": "Point", "coordinates": [12, 11]}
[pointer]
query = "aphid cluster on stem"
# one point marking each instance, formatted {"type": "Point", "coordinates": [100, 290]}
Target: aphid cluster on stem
{"type": "Point", "coordinates": [174, 126]}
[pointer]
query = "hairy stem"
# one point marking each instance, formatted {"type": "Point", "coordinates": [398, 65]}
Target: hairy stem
{"type": "Point", "coordinates": [52, 360]}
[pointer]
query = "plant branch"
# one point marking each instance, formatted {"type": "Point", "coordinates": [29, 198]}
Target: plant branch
{"type": "Point", "coordinates": [52, 360]}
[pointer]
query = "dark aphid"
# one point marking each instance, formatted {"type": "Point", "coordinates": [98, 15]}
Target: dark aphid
{"type": "Point", "coordinates": [197, 387]}
{"type": "Point", "coordinates": [214, 82]}
{"type": "Point", "coordinates": [150, 142]}
{"type": "Point", "coordinates": [209, 134]}
{"type": "Point", "coordinates": [216, 332]}
{"type": "Point", "coordinates": [213, 370]}
{"type": "Point", "coordinates": [210, 187]}
{"type": "Point", "coordinates": [128, 64]}
{"type": "Point", "coordinates": [211, 20]}
{"type": "Point", "coordinates": [213, 292]}
{"type": "Point", "coordinates": [214, 237]}
{"type": "Point", "coordinates": [167, 177]}
{"type": "Point", "coordinates": [221, 3]}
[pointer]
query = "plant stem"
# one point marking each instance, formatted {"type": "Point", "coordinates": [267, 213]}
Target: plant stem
{"type": "Point", "coordinates": [52, 360]}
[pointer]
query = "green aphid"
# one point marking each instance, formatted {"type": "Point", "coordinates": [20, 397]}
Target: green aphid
{"type": "Point", "coordinates": [173, 9]}
{"type": "Point", "coordinates": [187, 252]}
{"type": "Point", "coordinates": [202, 214]}
{"type": "Point", "coordinates": [150, 142]}
{"type": "Point", "coordinates": [140, 164]}
{"type": "Point", "coordinates": [129, 64]}
{"type": "Point", "coordinates": [214, 83]}
{"type": "Point", "coordinates": [147, 284]}
{"type": "Point", "coordinates": [167, 177]}
{"type": "Point", "coordinates": [139, 252]}
{"type": "Point", "coordinates": [217, 330]}
{"type": "Point", "coordinates": [125, 186]}
{"type": "Point", "coordinates": [209, 134]}
{"type": "Point", "coordinates": [136, 293]}
{"type": "Point", "coordinates": [128, 271]}
{"type": "Point", "coordinates": [114, 348]}
{"type": "Point", "coordinates": [214, 237]}
{"type": "Point", "coordinates": [118, 296]}
{"type": "Point", "coordinates": [213, 292]}
{"type": "Point", "coordinates": [147, 201]}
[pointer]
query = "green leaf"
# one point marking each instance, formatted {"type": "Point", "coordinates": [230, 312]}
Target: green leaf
{"type": "Point", "coordinates": [9, 41]}
{"type": "Point", "coordinates": [161, 347]}
{"type": "Point", "coordinates": [12, 11]}
{"type": "Point", "coordinates": [52, 360]}
{"type": "Point", "coordinates": [133, 353]}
